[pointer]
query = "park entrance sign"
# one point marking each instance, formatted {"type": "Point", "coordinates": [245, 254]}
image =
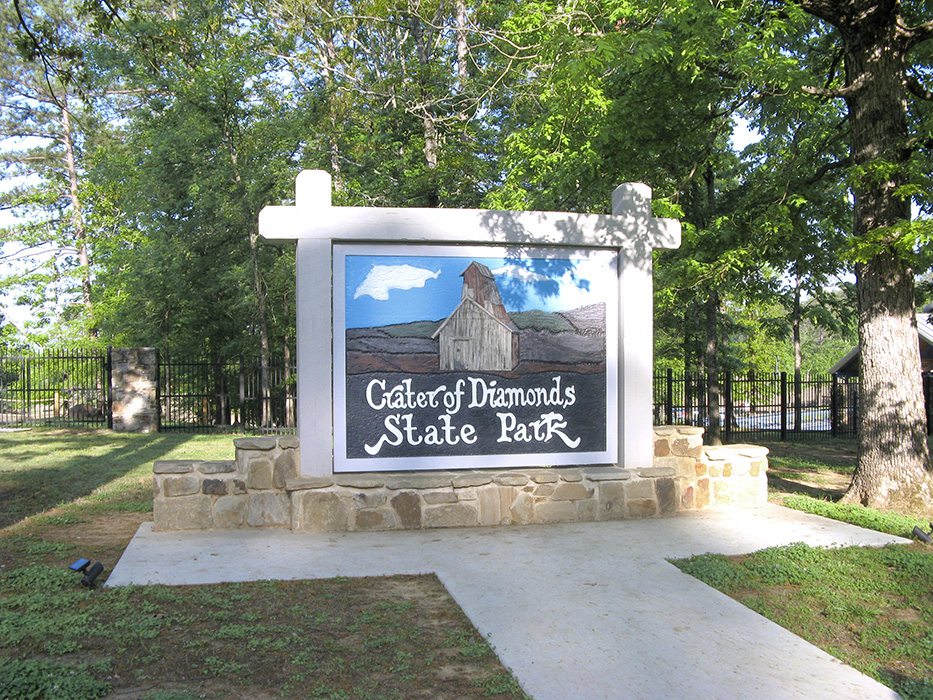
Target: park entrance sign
{"type": "Point", "coordinates": [464, 368]}
{"type": "Point", "coordinates": [449, 339]}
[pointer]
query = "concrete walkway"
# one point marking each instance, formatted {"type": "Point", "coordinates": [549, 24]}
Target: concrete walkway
{"type": "Point", "coordinates": [580, 611]}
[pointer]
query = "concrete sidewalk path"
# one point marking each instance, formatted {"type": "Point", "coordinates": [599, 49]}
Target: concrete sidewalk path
{"type": "Point", "coordinates": [576, 611]}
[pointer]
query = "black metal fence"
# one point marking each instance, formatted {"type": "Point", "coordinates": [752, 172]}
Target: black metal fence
{"type": "Point", "coordinates": [767, 406]}
{"type": "Point", "coordinates": [72, 387]}
{"type": "Point", "coordinates": [69, 387]}
{"type": "Point", "coordinates": [199, 395]}
{"type": "Point", "coordinates": [66, 387]}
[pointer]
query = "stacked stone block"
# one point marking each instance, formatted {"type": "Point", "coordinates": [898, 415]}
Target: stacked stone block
{"type": "Point", "coordinates": [711, 476]}
{"type": "Point", "coordinates": [262, 488]}
{"type": "Point", "coordinates": [246, 492]}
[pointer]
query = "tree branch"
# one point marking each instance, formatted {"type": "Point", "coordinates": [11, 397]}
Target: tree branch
{"type": "Point", "coordinates": [916, 88]}
{"type": "Point", "coordinates": [820, 172]}
{"type": "Point", "coordinates": [918, 142]}
{"type": "Point", "coordinates": [827, 10]}
{"type": "Point", "coordinates": [48, 68]}
{"type": "Point", "coordinates": [845, 91]}
{"type": "Point", "coordinates": [920, 33]}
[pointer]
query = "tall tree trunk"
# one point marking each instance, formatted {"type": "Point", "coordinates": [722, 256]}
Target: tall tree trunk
{"type": "Point", "coordinates": [77, 213]}
{"type": "Point", "coordinates": [265, 391]}
{"type": "Point", "coordinates": [688, 351]}
{"type": "Point", "coordinates": [329, 61]}
{"type": "Point", "coordinates": [290, 421]}
{"type": "Point", "coordinates": [428, 122]}
{"type": "Point", "coordinates": [798, 358]}
{"type": "Point", "coordinates": [463, 46]}
{"type": "Point", "coordinates": [893, 457]}
{"type": "Point", "coordinates": [713, 390]}
{"type": "Point", "coordinates": [259, 289]}
{"type": "Point", "coordinates": [463, 68]}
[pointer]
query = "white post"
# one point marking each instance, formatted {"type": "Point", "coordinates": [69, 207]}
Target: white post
{"type": "Point", "coordinates": [636, 332]}
{"type": "Point", "coordinates": [314, 303]}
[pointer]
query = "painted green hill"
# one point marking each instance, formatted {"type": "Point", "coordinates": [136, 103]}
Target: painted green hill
{"type": "Point", "coordinates": [541, 321]}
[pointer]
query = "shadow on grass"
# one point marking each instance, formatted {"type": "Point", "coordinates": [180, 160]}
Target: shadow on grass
{"type": "Point", "coordinates": [786, 485]}
{"type": "Point", "coordinates": [836, 455]}
{"type": "Point", "coordinates": [907, 686]}
{"type": "Point", "coordinates": [43, 469]}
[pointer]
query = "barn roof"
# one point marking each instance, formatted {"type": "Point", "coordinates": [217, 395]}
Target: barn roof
{"type": "Point", "coordinates": [507, 324]}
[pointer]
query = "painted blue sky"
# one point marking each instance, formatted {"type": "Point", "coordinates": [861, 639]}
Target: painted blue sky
{"type": "Point", "coordinates": [386, 289]}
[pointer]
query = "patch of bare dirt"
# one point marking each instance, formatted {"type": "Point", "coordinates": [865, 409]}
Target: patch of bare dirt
{"type": "Point", "coordinates": [819, 484]}
{"type": "Point", "coordinates": [104, 537]}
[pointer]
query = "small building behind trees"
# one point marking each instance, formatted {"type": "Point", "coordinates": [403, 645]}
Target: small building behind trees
{"type": "Point", "coordinates": [848, 367]}
{"type": "Point", "coordinates": [479, 334]}
{"type": "Point", "coordinates": [848, 364]}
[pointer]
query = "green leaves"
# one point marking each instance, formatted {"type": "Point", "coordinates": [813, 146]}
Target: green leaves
{"type": "Point", "coordinates": [910, 240]}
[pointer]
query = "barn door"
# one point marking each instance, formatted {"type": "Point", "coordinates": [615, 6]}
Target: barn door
{"type": "Point", "coordinates": [461, 353]}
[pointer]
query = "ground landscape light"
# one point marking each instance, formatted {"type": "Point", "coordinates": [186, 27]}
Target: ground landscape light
{"type": "Point", "coordinates": [91, 574]}
{"type": "Point", "coordinates": [923, 536]}
{"type": "Point", "coordinates": [79, 564]}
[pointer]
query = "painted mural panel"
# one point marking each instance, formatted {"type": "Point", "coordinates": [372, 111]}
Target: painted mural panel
{"type": "Point", "coordinates": [456, 357]}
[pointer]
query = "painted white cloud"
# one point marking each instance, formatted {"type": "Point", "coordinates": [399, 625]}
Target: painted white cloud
{"type": "Point", "coordinates": [382, 279]}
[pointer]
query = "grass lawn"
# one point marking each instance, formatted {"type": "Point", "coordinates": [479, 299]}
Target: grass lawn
{"type": "Point", "coordinates": [66, 494]}
{"type": "Point", "coordinates": [872, 608]}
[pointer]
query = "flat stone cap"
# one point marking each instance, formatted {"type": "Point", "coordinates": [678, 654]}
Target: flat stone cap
{"type": "Point", "coordinates": [606, 473]}
{"type": "Point", "coordinates": [173, 466]}
{"type": "Point", "coordinates": [217, 467]}
{"type": "Point", "coordinates": [305, 483]}
{"type": "Point", "coordinates": [656, 472]}
{"type": "Point", "coordinates": [665, 430]}
{"type": "Point", "coordinates": [750, 450]}
{"type": "Point", "coordinates": [256, 443]}
{"type": "Point", "coordinates": [720, 453]}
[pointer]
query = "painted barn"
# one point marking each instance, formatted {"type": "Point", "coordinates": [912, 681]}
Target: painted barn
{"type": "Point", "coordinates": [479, 335]}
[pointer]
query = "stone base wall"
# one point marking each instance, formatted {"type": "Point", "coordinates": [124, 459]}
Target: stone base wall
{"type": "Point", "coordinates": [247, 492]}
{"type": "Point", "coordinates": [262, 488]}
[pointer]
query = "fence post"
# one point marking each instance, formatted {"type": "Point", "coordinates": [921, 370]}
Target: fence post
{"type": "Point", "coordinates": [730, 409]}
{"type": "Point", "coordinates": [135, 381]}
{"type": "Point", "coordinates": [108, 370]}
{"type": "Point", "coordinates": [834, 406]}
{"type": "Point", "coordinates": [688, 398]}
{"type": "Point", "coordinates": [669, 398]}
{"type": "Point", "coordinates": [242, 417]}
{"type": "Point", "coordinates": [27, 404]}
{"type": "Point", "coordinates": [798, 400]}
{"type": "Point", "coordinates": [783, 406]}
{"type": "Point", "coordinates": [158, 390]}
{"type": "Point", "coordinates": [855, 407]}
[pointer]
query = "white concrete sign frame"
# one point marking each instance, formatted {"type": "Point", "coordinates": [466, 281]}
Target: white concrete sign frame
{"type": "Point", "coordinates": [630, 230]}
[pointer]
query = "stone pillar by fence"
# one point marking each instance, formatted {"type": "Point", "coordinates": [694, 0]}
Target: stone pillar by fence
{"type": "Point", "coordinates": [134, 386]}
